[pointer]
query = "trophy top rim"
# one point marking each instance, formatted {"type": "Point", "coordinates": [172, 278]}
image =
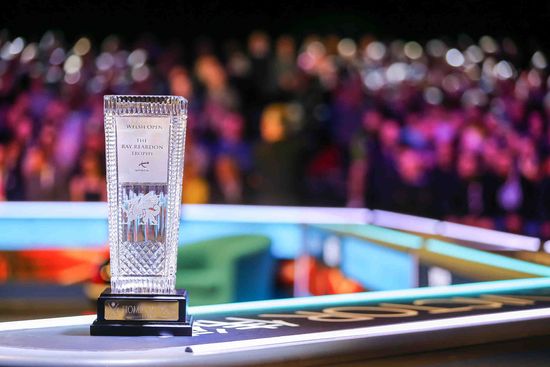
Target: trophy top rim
{"type": "Point", "coordinates": [145, 104]}
{"type": "Point", "coordinates": [145, 98]}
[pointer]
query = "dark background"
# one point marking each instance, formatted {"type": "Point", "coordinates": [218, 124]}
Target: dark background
{"type": "Point", "coordinates": [526, 22]}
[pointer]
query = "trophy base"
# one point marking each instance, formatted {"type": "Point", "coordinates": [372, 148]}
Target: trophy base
{"type": "Point", "coordinates": [142, 314]}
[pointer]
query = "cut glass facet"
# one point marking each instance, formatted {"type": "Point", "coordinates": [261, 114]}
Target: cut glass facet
{"type": "Point", "coordinates": [145, 137]}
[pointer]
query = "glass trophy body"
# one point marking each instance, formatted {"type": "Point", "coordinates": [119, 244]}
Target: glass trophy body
{"type": "Point", "coordinates": [145, 138]}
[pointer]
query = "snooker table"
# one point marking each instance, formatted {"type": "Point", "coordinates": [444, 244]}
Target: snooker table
{"type": "Point", "coordinates": [500, 322]}
{"type": "Point", "coordinates": [500, 315]}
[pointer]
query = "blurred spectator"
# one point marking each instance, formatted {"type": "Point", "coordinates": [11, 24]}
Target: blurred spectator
{"type": "Point", "coordinates": [259, 49]}
{"type": "Point", "coordinates": [13, 184]}
{"type": "Point", "coordinates": [4, 173]}
{"type": "Point", "coordinates": [412, 192]}
{"type": "Point", "coordinates": [43, 181]}
{"type": "Point", "coordinates": [324, 175]}
{"type": "Point", "coordinates": [230, 141]}
{"type": "Point", "coordinates": [284, 66]}
{"type": "Point", "coordinates": [451, 130]}
{"type": "Point", "coordinates": [228, 188]}
{"type": "Point", "coordinates": [219, 97]}
{"type": "Point", "coordinates": [361, 146]}
{"type": "Point", "coordinates": [544, 204]}
{"type": "Point", "coordinates": [278, 160]}
{"type": "Point", "coordinates": [197, 190]}
{"type": "Point", "coordinates": [89, 183]}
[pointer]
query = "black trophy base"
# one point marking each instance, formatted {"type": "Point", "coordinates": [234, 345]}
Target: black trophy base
{"type": "Point", "coordinates": [142, 315]}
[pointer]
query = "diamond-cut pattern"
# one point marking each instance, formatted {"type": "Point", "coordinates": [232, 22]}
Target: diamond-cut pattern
{"type": "Point", "coordinates": [135, 266]}
{"type": "Point", "coordinates": [142, 258]}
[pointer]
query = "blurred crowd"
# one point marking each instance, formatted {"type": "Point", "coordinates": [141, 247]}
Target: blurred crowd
{"type": "Point", "coordinates": [446, 129]}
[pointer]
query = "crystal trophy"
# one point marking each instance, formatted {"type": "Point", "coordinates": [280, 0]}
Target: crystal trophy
{"type": "Point", "coordinates": [144, 138]}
